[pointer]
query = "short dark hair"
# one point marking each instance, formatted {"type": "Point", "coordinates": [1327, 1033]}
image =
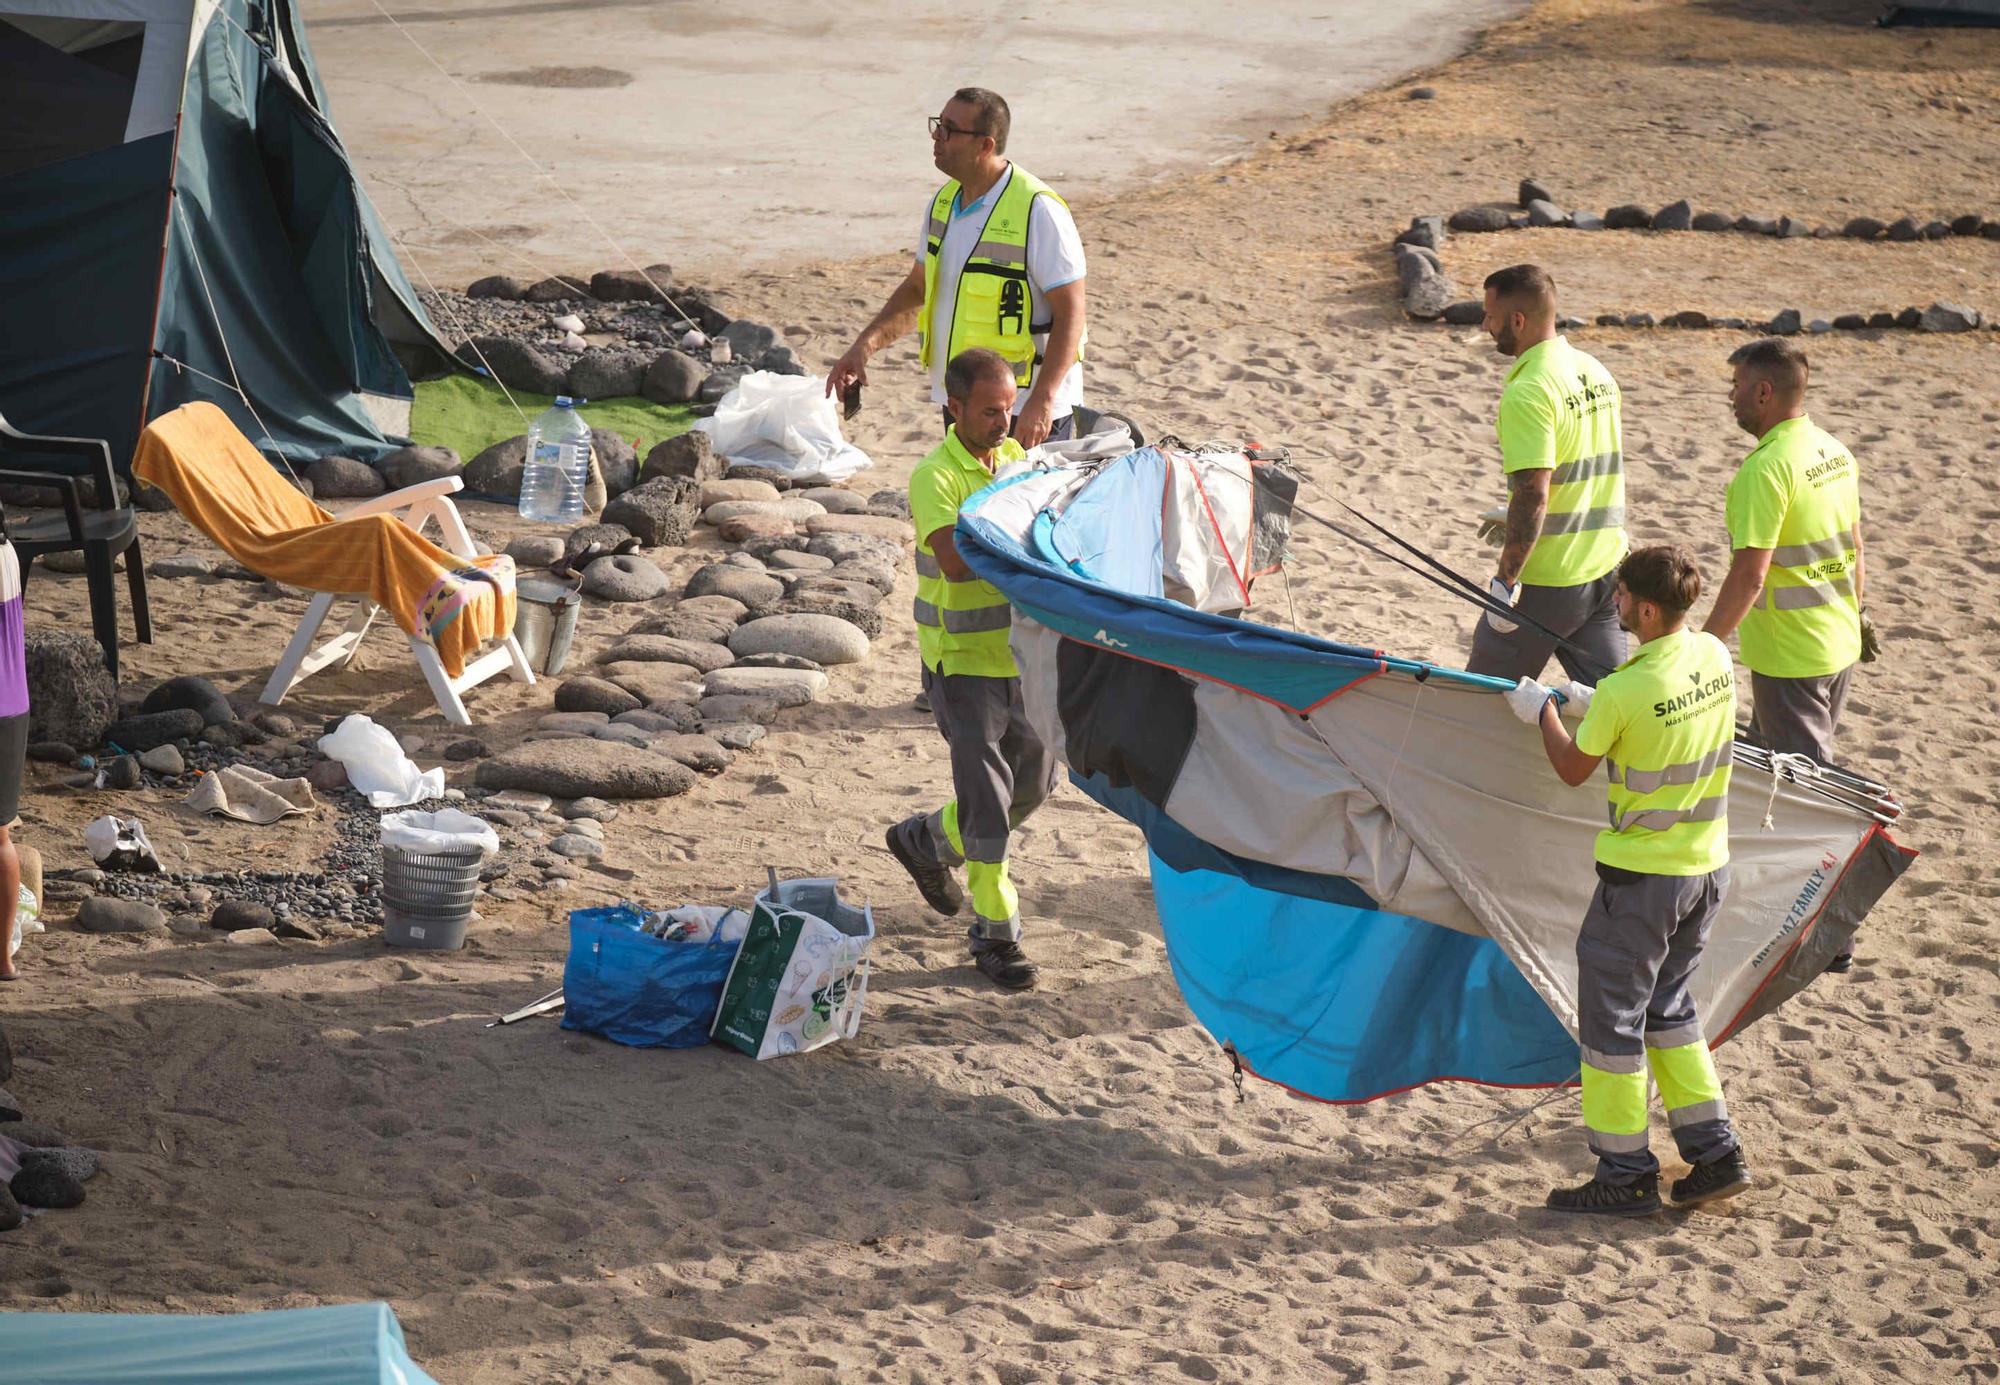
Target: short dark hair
{"type": "Point", "coordinates": [1777, 360]}
{"type": "Point", "coordinates": [1665, 575]}
{"type": "Point", "coordinates": [994, 117]}
{"type": "Point", "coordinates": [1529, 281]}
{"type": "Point", "coordinates": [969, 367]}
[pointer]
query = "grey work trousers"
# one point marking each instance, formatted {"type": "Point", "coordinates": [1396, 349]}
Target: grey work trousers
{"type": "Point", "coordinates": [1636, 956]}
{"type": "Point", "coordinates": [1586, 615]}
{"type": "Point", "coordinates": [1799, 715]}
{"type": "Point", "coordinates": [1000, 773]}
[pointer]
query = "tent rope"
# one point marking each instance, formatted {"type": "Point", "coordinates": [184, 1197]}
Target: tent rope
{"type": "Point", "coordinates": [529, 159]}
{"type": "Point", "coordinates": [235, 381]}
{"type": "Point", "coordinates": [1794, 766]}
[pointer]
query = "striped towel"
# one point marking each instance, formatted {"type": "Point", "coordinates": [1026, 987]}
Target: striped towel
{"type": "Point", "coordinates": [227, 490]}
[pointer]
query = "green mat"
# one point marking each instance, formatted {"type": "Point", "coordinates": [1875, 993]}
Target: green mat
{"type": "Point", "coordinates": [469, 414]}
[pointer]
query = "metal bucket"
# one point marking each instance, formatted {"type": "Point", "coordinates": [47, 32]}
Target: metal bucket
{"type": "Point", "coordinates": [545, 620]}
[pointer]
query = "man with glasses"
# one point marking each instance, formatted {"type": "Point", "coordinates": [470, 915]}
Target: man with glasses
{"type": "Point", "coordinates": [999, 267]}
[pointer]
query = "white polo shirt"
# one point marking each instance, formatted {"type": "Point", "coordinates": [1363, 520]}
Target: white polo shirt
{"type": "Point", "coordinates": [1055, 258]}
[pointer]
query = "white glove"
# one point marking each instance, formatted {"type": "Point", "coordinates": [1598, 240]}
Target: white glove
{"type": "Point", "coordinates": [1576, 698]}
{"type": "Point", "coordinates": [1493, 525]}
{"type": "Point", "coordinates": [1527, 698]}
{"type": "Point", "coordinates": [1501, 592]}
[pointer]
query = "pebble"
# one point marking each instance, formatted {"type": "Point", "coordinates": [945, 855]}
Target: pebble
{"type": "Point", "coordinates": [525, 800]}
{"type": "Point", "coordinates": [625, 577]}
{"type": "Point", "coordinates": [122, 772]}
{"type": "Point", "coordinates": [586, 827]}
{"type": "Point", "coordinates": [787, 687]}
{"type": "Point", "coordinates": [698, 655]}
{"type": "Point", "coordinates": [251, 937]}
{"type": "Point", "coordinates": [100, 914]}
{"type": "Point", "coordinates": [74, 1160]}
{"type": "Point", "coordinates": [595, 808]}
{"type": "Point", "coordinates": [577, 846]}
{"type": "Point", "coordinates": [164, 759]}
{"type": "Point", "coordinates": [736, 735]}
{"type": "Point", "coordinates": [825, 640]}
{"type": "Point", "coordinates": [235, 915]}
{"type": "Point", "coordinates": [45, 1186]}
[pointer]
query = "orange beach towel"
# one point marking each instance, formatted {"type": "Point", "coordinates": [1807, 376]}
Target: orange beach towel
{"type": "Point", "coordinates": [226, 488]}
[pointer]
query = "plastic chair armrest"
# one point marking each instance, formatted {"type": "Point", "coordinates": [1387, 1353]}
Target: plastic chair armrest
{"type": "Point", "coordinates": [96, 449]}
{"type": "Point", "coordinates": [52, 481]}
{"type": "Point", "coordinates": [407, 496]}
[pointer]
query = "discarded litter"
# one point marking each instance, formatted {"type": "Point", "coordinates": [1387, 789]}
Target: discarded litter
{"type": "Point", "coordinates": [121, 845]}
{"type": "Point", "coordinates": [377, 766]}
{"type": "Point", "coordinates": [802, 973]}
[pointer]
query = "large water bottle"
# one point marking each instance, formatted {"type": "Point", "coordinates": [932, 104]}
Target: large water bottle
{"type": "Point", "coordinates": [558, 464]}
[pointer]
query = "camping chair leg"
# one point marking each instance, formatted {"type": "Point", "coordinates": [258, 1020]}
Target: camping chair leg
{"type": "Point", "coordinates": [441, 683]}
{"type": "Point", "coordinates": [97, 559]}
{"type": "Point", "coordinates": [357, 630]}
{"type": "Point", "coordinates": [135, 580]}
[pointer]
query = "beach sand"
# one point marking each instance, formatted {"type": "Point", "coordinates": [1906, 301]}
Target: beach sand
{"type": "Point", "coordinates": [1062, 1186]}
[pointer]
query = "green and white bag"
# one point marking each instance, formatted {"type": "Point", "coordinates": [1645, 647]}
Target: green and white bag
{"type": "Point", "coordinates": [801, 973]}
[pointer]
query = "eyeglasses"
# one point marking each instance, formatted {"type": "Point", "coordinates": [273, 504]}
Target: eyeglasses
{"type": "Point", "coordinates": [937, 125]}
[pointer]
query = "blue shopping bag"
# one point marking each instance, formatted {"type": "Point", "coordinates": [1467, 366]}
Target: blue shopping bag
{"type": "Point", "coordinates": [634, 988]}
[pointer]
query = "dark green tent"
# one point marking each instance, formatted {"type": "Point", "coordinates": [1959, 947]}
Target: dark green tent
{"type": "Point", "coordinates": [177, 215]}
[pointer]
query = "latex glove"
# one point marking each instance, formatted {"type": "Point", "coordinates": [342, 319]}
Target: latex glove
{"type": "Point", "coordinates": [1871, 643]}
{"type": "Point", "coordinates": [1493, 525]}
{"type": "Point", "coordinates": [1507, 595]}
{"type": "Point", "coordinates": [1527, 698]}
{"type": "Point", "coordinates": [1576, 698]}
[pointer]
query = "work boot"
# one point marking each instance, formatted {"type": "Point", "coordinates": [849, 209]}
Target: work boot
{"type": "Point", "coordinates": [922, 703]}
{"type": "Point", "coordinates": [1842, 963]}
{"type": "Point", "coordinates": [1004, 964]}
{"type": "Point", "coordinates": [935, 882]}
{"type": "Point", "coordinates": [1598, 1198]}
{"type": "Point", "coordinates": [1716, 1179]}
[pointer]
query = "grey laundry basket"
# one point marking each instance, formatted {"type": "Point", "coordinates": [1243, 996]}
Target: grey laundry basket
{"type": "Point", "coordinates": [427, 897]}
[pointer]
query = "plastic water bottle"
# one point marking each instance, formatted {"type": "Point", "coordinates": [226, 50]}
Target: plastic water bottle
{"type": "Point", "coordinates": [558, 464]}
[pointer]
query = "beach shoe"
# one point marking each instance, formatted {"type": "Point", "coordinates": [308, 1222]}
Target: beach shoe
{"type": "Point", "coordinates": [1718, 1178]}
{"type": "Point", "coordinates": [936, 883]}
{"type": "Point", "coordinates": [1598, 1198]}
{"type": "Point", "coordinates": [922, 702]}
{"type": "Point", "coordinates": [1004, 964]}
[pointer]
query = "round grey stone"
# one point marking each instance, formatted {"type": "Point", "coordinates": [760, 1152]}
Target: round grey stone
{"type": "Point", "coordinates": [736, 583]}
{"type": "Point", "coordinates": [594, 695]}
{"type": "Point", "coordinates": [825, 640]}
{"type": "Point", "coordinates": [703, 658]}
{"type": "Point", "coordinates": [787, 687]}
{"type": "Point", "coordinates": [76, 1161]}
{"type": "Point", "coordinates": [577, 846]}
{"type": "Point", "coordinates": [344, 478]}
{"type": "Point", "coordinates": [585, 769]}
{"type": "Point", "coordinates": [625, 577]}
{"type": "Point", "coordinates": [410, 466]}
{"type": "Point", "coordinates": [232, 915]}
{"type": "Point", "coordinates": [535, 550]}
{"type": "Point", "coordinates": [104, 914]}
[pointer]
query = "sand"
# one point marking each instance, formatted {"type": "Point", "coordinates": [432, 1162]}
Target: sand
{"type": "Point", "coordinates": [1062, 1186]}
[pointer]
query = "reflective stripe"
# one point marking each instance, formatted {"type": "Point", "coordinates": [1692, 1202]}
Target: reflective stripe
{"type": "Point", "coordinates": [1614, 1062]}
{"type": "Point", "coordinates": [936, 229]}
{"type": "Point", "coordinates": [1818, 551]}
{"type": "Point", "coordinates": [927, 565]}
{"type": "Point", "coordinates": [1812, 594]}
{"type": "Point", "coordinates": [1610, 1143]}
{"type": "Point", "coordinates": [1584, 468]}
{"type": "Point", "coordinates": [1000, 252]}
{"type": "Point", "coordinates": [1644, 781]}
{"type": "Point", "coordinates": [975, 621]}
{"type": "Point", "coordinates": [1660, 819]}
{"type": "Point", "coordinates": [1557, 523]}
{"type": "Point", "coordinates": [979, 619]}
{"type": "Point", "coordinates": [1678, 1037]}
{"type": "Point", "coordinates": [1716, 1110]}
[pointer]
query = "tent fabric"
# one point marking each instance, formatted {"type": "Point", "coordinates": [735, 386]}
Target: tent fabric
{"type": "Point", "coordinates": [225, 239]}
{"type": "Point", "coordinates": [1366, 874]}
{"type": "Point", "coordinates": [344, 1344]}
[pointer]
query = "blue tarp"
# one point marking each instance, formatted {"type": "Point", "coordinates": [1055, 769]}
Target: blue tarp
{"type": "Point", "coordinates": [347, 1344]}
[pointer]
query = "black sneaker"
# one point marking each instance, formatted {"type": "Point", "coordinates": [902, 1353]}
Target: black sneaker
{"type": "Point", "coordinates": [922, 703]}
{"type": "Point", "coordinates": [1718, 1178]}
{"type": "Point", "coordinates": [935, 883]}
{"type": "Point", "coordinates": [1004, 964]}
{"type": "Point", "coordinates": [1598, 1198]}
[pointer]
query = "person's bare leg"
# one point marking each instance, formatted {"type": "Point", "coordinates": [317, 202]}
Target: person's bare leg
{"type": "Point", "coordinates": [10, 900]}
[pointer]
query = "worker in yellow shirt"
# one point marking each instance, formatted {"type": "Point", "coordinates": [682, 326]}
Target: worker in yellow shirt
{"type": "Point", "coordinates": [1000, 769]}
{"type": "Point", "coordinates": [1563, 529]}
{"type": "Point", "coordinates": [1794, 589]}
{"type": "Point", "coordinates": [1664, 726]}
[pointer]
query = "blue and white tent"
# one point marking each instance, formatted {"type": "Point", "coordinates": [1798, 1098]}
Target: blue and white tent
{"type": "Point", "coordinates": [1366, 874]}
{"type": "Point", "coordinates": [177, 214]}
{"type": "Point", "coordinates": [343, 1344]}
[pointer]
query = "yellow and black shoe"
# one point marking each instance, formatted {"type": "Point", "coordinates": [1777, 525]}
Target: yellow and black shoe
{"type": "Point", "coordinates": [1601, 1199]}
{"type": "Point", "coordinates": [1713, 1181]}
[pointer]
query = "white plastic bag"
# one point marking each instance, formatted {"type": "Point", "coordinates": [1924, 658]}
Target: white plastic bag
{"type": "Point", "coordinates": [377, 766]}
{"type": "Point", "coordinates": [448, 829]}
{"type": "Point", "coordinates": [697, 923]}
{"type": "Point", "coordinates": [787, 423]}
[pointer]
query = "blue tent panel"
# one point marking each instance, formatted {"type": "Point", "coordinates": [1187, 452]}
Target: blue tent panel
{"type": "Point", "coordinates": [1318, 990]}
{"type": "Point", "coordinates": [347, 1344]}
